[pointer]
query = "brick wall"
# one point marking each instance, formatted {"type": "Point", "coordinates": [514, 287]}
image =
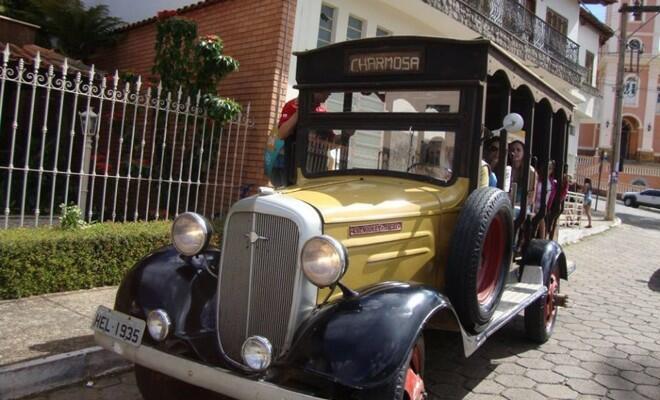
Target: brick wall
{"type": "Point", "coordinates": [258, 33]}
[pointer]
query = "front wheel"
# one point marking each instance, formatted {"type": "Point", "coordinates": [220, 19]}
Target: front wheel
{"type": "Point", "coordinates": [628, 201]}
{"type": "Point", "coordinates": [409, 383]}
{"type": "Point", "coordinates": [540, 316]}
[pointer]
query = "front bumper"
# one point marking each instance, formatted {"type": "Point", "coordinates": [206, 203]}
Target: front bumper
{"type": "Point", "coordinates": [212, 378]}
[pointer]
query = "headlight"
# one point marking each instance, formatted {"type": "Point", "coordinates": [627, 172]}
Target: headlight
{"type": "Point", "coordinates": [323, 260]}
{"type": "Point", "coordinates": [190, 233]}
{"type": "Point", "coordinates": [257, 353]}
{"type": "Point", "coordinates": [158, 324]}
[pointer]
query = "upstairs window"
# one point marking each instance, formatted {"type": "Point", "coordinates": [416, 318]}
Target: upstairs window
{"type": "Point", "coordinates": [589, 64]}
{"type": "Point", "coordinates": [354, 30]}
{"type": "Point", "coordinates": [380, 32]}
{"type": "Point", "coordinates": [326, 25]}
{"type": "Point", "coordinates": [555, 20]}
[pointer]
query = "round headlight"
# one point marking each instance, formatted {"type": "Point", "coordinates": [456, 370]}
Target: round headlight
{"type": "Point", "coordinates": [190, 233]}
{"type": "Point", "coordinates": [323, 260]}
{"type": "Point", "coordinates": [158, 324]}
{"type": "Point", "coordinates": [257, 353]}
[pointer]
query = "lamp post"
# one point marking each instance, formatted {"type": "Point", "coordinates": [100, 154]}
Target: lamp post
{"type": "Point", "coordinates": [89, 123]}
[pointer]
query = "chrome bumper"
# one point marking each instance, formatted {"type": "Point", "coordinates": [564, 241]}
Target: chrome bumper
{"type": "Point", "coordinates": [215, 379]}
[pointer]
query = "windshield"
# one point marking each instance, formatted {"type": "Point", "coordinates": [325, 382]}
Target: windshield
{"type": "Point", "coordinates": [416, 152]}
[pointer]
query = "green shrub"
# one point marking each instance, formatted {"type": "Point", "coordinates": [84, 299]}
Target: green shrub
{"type": "Point", "coordinates": [45, 260]}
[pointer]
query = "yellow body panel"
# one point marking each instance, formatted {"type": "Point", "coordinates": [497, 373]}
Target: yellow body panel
{"type": "Point", "coordinates": [415, 253]}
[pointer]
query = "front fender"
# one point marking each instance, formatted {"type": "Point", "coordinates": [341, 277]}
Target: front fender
{"type": "Point", "coordinates": [362, 341]}
{"type": "Point", "coordinates": [546, 253]}
{"type": "Point", "coordinates": [182, 286]}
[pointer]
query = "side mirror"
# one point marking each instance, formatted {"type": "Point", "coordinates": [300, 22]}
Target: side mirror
{"type": "Point", "coordinates": [513, 122]}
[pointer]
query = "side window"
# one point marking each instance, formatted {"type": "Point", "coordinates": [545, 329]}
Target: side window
{"type": "Point", "coordinates": [555, 20]}
{"type": "Point", "coordinates": [589, 64]}
{"type": "Point", "coordinates": [355, 28]}
{"type": "Point", "coordinates": [380, 32]}
{"type": "Point", "coordinates": [326, 25]}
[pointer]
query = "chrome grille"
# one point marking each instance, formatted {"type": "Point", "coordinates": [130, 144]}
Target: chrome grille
{"type": "Point", "coordinates": [257, 280]}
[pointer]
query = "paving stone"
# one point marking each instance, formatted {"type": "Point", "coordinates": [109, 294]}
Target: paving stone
{"type": "Point", "coordinates": [610, 352]}
{"type": "Point", "coordinates": [614, 382]}
{"type": "Point", "coordinates": [484, 387]}
{"type": "Point", "coordinates": [570, 371]}
{"type": "Point", "coordinates": [534, 364]}
{"type": "Point", "coordinates": [586, 386]}
{"type": "Point", "coordinates": [655, 372]}
{"type": "Point", "coordinates": [640, 378]}
{"type": "Point", "coordinates": [624, 365]}
{"type": "Point", "coordinates": [446, 390]}
{"type": "Point", "coordinates": [646, 361]}
{"type": "Point", "coordinates": [561, 359]}
{"type": "Point", "coordinates": [522, 394]}
{"type": "Point", "coordinates": [599, 368]}
{"type": "Point", "coordinates": [510, 368]}
{"type": "Point", "coordinates": [541, 376]}
{"type": "Point", "coordinates": [575, 345]}
{"type": "Point", "coordinates": [650, 391]}
{"type": "Point", "coordinates": [632, 350]}
{"type": "Point", "coordinates": [556, 391]}
{"type": "Point", "coordinates": [514, 381]}
{"type": "Point", "coordinates": [586, 355]}
{"type": "Point", "coordinates": [625, 395]}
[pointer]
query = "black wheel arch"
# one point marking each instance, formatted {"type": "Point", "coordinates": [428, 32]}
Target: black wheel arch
{"type": "Point", "coordinates": [545, 253]}
{"type": "Point", "coordinates": [362, 342]}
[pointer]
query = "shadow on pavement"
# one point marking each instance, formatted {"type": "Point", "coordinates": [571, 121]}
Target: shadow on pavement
{"type": "Point", "coordinates": [654, 281]}
{"type": "Point", "coordinates": [638, 221]}
{"type": "Point", "coordinates": [449, 375]}
{"type": "Point", "coordinates": [64, 345]}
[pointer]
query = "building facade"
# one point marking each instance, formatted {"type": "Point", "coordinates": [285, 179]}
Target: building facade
{"type": "Point", "coordinates": [640, 133]}
{"type": "Point", "coordinates": [557, 39]}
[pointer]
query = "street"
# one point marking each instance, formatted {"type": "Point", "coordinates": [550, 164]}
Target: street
{"type": "Point", "coordinates": [605, 345]}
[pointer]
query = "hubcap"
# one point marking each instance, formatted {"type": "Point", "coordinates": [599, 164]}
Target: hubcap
{"type": "Point", "coordinates": [491, 261]}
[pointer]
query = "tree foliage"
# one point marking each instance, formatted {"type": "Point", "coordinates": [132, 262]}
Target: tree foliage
{"type": "Point", "coordinates": [72, 28]}
{"type": "Point", "coordinates": [193, 64]}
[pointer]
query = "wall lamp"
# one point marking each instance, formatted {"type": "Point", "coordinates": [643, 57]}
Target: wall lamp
{"type": "Point", "coordinates": [607, 124]}
{"type": "Point", "coordinates": [649, 127]}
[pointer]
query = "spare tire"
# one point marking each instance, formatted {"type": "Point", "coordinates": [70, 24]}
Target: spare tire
{"type": "Point", "coordinates": [479, 257]}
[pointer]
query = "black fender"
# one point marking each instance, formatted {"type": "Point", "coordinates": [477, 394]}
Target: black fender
{"type": "Point", "coordinates": [183, 287]}
{"type": "Point", "coordinates": [545, 253]}
{"type": "Point", "coordinates": [361, 342]}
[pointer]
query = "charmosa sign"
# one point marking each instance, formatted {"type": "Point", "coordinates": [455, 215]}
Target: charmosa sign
{"type": "Point", "coordinates": [385, 62]}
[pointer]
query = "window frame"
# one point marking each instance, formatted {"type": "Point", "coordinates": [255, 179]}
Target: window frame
{"type": "Point", "coordinates": [333, 26]}
{"type": "Point", "coordinates": [590, 66]}
{"type": "Point", "coordinates": [349, 28]}
{"type": "Point", "coordinates": [386, 32]}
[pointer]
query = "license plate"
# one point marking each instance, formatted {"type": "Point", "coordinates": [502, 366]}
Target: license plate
{"type": "Point", "coordinates": [119, 325]}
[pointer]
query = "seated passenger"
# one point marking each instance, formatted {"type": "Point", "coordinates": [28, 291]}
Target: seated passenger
{"type": "Point", "coordinates": [435, 160]}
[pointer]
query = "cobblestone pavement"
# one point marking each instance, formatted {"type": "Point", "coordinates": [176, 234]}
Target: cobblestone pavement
{"type": "Point", "coordinates": [606, 345]}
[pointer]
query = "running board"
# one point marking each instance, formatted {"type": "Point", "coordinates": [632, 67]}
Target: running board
{"type": "Point", "coordinates": [515, 298]}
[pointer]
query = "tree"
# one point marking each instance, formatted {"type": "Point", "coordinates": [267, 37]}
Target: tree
{"type": "Point", "coordinates": [73, 29]}
{"type": "Point", "coordinates": [195, 65]}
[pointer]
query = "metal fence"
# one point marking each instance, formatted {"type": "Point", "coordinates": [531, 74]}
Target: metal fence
{"type": "Point", "coordinates": [122, 150]}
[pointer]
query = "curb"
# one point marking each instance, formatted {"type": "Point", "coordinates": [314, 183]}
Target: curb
{"type": "Point", "coordinates": [43, 374]}
{"type": "Point", "coordinates": [584, 234]}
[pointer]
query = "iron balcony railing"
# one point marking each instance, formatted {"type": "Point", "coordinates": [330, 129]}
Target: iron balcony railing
{"type": "Point", "coordinates": [514, 17]}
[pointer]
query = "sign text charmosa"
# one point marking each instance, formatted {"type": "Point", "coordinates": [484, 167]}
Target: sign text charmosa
{"type": "Point", "coordinates": [390, 62]}
{"type": "Point", "coordinates": [358, 230]}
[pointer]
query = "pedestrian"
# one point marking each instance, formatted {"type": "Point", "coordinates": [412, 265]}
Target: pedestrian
{"type": "Point", "coordinates": [586, 205]}
{"type": "Point", "coordinates": [284, 168]}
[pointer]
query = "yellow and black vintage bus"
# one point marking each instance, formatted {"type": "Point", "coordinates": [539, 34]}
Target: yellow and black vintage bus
{"type": "Point", "coordinates": [424, 195]}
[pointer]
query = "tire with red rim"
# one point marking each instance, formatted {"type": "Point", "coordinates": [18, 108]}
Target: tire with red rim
{"type": "Point", "coordinates": [541, 315]}
{"type": "Point", "coordinates": [479, 257]}
{"type": "Point", "coordinates": [409, 383]}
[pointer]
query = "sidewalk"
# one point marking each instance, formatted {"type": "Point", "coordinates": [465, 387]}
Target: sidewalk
{"type": "Point", "coordinates": [46, 341]}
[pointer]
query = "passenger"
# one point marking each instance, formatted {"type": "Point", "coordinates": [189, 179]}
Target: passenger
{"type": "Point", "coordinates": [491, 155]}
{"type": "Point", "coordinates": [516, 159]}
{"type": "Point", "coordinates": [551, 191]}
{"type": "Point", "coordinates": [284, 169]}
{"type": "Point", "coordinates": [436, 162]}
{"type": "Point", "coordinates": [586, 205]}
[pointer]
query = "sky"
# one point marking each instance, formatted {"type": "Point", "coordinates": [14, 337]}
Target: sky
{"type": "Point", "coordinates": [598, 11]}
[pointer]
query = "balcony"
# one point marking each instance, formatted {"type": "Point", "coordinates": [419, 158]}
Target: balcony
{"type": "Point", "coordinates": [521, 32]}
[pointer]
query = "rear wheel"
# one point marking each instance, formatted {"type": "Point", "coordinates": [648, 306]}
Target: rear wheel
{"type": "Point", "coordinates": [629, 202]}
{"type": "Point", "coordinates": [479, 257]}
{"type": "Point", "coordinates": [541, 315]}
